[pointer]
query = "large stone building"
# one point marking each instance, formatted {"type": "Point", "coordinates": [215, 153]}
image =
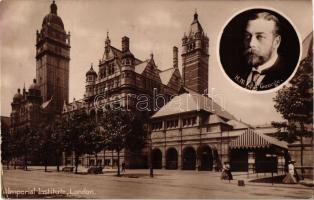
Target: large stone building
{"type": "Point", "coordinates": [46, 95]}
{"type": "Point", "coordinates": [129, 83]}
{"type": "Point", "coordinates": [193, 132]}
{"type": "Point", "coordinates": [188, 129]}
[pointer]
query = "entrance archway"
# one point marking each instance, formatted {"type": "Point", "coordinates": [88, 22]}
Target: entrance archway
{"type": "Point", "coordinates": [172, 159]}
{"type": "Point", "coordinates": [205, 157]}
{"type": "Point", "coordinates": [157, 159]}
{"type": "Point", "coordinates": [189, 159]}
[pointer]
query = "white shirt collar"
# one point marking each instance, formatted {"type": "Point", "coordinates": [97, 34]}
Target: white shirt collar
{"type": "Point", "coordinates": [267, 64]}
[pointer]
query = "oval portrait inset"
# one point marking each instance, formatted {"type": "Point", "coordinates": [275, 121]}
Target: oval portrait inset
{"type": "Point", "coordinates": [259, 50]}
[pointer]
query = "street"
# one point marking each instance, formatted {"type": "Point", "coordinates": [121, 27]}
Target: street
{"type": "Point", "coordinates": [168, 184]}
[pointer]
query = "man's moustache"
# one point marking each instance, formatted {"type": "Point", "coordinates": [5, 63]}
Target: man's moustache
{"type": "Point", "coordinates": [251, 52]}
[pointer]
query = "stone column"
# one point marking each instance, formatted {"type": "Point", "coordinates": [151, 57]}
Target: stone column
{"type": "Point", "coordinates": [163, 161]}
{"type": "Point", "coordinates": [180, 159]}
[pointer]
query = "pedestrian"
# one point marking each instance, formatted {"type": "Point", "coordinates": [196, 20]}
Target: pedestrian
{"type": "Point", "coordinates": [123, 167]}
{"type": "Point", "coordinates": [229, 171]}
{"type": "Point", "coordinates": [291, 176]}
{"type": "Point", "coordinates": [226, 172]}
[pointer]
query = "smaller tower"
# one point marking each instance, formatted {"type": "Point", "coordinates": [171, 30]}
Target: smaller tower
{"type": "Point", "coordinates": [195, 58]}
{"type": "Point", "coordinates": [91, 77]}
{"type": "Point", "coordinates": [34, 102]}
{"type": "Point", "coordinates": [16, 106]}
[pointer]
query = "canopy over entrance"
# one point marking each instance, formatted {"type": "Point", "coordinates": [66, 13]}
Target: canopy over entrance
{"type": "Point", "coordinates": [251, 139]}
{"type": "Point", "coordinates": [257, 152]}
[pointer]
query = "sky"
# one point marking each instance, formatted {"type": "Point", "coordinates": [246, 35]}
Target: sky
{"type": "Point", "coordinates": [152, 26]}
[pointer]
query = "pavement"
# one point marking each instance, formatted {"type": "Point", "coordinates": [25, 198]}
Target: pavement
{"type": "Point", "coordinates": [166, 184]}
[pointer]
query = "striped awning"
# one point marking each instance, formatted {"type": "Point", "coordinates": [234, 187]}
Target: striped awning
{"type": "Point", "coordinates": [251, 139]}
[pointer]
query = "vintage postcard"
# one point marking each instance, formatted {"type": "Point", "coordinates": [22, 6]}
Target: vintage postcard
{"type": "Point", "coordinates": [156, 99]}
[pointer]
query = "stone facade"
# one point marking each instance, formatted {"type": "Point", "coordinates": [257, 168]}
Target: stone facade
{"type": "Point", "coordinates": [44, 98]}
{"type": "Point", "coordinates": [195, 58]}
{"type": "Point", "coordinates": [26, 107]}
{"type": "Point", "coordinates": [125, 82]}
{"type": "Point", "coordinates": [52, 60]}
{"type": "Point", "coordinates": [195, 135]}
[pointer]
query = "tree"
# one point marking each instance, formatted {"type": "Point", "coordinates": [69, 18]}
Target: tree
{"type": "Point", "coordinates": [122, 130]}
{"type": "Point", "coordinates": [57, 137]}
{"type": "Point", "coordinates": [96, 142]}
{"type": "Point", "coordinates": [78, 129]}
{"type": "Point", "coordinates": [6, 144]}
{"type": "Point", "coordinates": [295, 104]}
{"type": "Point", "coordinates": [26, 142]}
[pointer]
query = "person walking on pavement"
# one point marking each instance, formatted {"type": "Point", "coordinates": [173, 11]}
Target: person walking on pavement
{"type": "Point", "coordinates": [226, 173]}
{"type": "Point", "coordinates": [123, 167]}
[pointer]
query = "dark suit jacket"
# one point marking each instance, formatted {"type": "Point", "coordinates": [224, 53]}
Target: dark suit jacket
{"type": "Point", "coordinates": [274, 76]}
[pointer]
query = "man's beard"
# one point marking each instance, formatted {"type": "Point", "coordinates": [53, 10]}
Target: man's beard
{"type": "Point", "coordinates": [254, 58]}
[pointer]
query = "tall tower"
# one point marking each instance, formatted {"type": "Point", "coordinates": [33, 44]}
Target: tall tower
{"type": "Point", "coordinates": [52, 60]}
{"type": "Point", "coordinates": [195, 58]}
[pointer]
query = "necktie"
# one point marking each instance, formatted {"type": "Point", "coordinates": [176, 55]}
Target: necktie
{"type": "Point", "coordinates": [255, 76]}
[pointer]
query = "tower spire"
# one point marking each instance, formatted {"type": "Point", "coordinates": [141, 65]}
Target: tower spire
{"type": "Point", "coordinates": [195, 15]}
{"type": "Point", "coordinates": [53, 7]}
{"type": "Point", "coordinates": [107, 42]}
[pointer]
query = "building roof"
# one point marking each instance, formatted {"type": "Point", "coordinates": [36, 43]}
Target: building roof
{"type": "Point", "coordinates": [215, 119]}
{"type": "Point", "coordinates": [52, 18]}
{"type": "Point", "coordinates": [195, 26]}
{"type": "Point", "coordinates": [141, 67]}
{"type": "Point", "coordinates": [190, 101]}
{"type": "Point", "coordinates": [252, 139]}
{"type": "Point", "coordinates": [75, 105]}
{"type": "Point", "coordinates": [166, 75]}
{"type": "Point", "coordinates": [91, 71]}
{"type": "Point", "coordinates": [238, 124]}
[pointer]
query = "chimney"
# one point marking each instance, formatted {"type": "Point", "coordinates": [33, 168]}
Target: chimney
{"type": "Point", "coordinates": [125, 44]}
{"type": "Point", "coordinates": [175, 57]}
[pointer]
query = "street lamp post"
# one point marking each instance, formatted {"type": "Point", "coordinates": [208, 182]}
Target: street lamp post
{"type": "Point", "coordinates": [151, 171]}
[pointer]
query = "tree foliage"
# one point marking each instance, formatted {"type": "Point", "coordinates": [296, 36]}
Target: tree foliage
{"type": "Point", "coordinates": [122, 129]}
{"type": "Point", "coordinates": [7, 144]}
{"type": "Point", "coordinates": [79, 126]}
{"type": "Point", "coordinates": [295, 103]}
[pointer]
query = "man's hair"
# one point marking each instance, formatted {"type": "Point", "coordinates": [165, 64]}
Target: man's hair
{"type": "Point", "coordinates": [269, 17]}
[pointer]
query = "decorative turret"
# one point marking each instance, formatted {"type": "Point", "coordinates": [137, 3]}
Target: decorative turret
{"type": "Point", "coordinates": [18, 97]}
{"type": "Point", "coordinates": [107, 44]}
{"type": "Point", "coordinates": [34, 89]}
{"type": "Point", "coordinates": [195, 57]}
{"type": "Point", "coordinates": [91, 77]}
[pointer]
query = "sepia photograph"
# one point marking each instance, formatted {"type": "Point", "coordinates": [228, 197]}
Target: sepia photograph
{"type": "Point", "coordinates": [259, 49]}
{"type": "Point", "coordinates": [104, 99]}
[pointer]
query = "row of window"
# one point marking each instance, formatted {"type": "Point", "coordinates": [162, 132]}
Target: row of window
{"type": "Point", "coordinates": [109, 70]}
{"type": "Point", "coordinates": [157, 126]}
{"type": "Point", "coordinates": [172, 123]}
{"type": "Point", "coordinates": [191, 121]}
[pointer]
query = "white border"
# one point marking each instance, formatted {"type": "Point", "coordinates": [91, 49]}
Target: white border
{"type": "Point", "coordinates": [255, 91]}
